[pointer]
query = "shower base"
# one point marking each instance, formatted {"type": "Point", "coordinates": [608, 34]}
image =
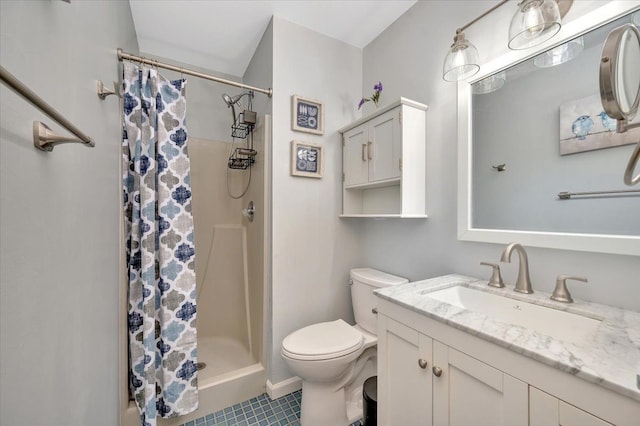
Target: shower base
{"type": "Point", "coordinates": [221, 355]}
{"type": "Point", "coordinates": [232, 375]}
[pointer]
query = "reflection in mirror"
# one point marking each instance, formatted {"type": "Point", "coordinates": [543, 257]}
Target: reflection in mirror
{"type": "Point", "coordinates": [629, 70]}
{"type": "Point", "coordinates": [620, 84]}
{"type": "Point", "coordinates": [620, 73]}
{"type": "Point", "coordinates": [561, 54]}
{"type": "Point", "coordinates": [549, 127]}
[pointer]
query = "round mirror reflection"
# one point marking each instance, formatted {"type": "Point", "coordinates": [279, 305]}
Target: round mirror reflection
{"type": "Point", "coordinates": [620, 73]}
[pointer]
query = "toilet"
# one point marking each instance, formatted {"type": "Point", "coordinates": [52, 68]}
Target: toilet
{"type": "Point", "coordinates": [333, 358]}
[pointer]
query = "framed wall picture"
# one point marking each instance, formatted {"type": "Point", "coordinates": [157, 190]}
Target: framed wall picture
{"type": "Point", "coordinates": [306, 159]}
{"type": "Point", "coordinates": [308, 115]}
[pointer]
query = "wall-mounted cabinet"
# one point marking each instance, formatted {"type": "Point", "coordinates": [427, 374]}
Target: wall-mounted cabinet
{"type": "Point", "coordinates": [383, 163]}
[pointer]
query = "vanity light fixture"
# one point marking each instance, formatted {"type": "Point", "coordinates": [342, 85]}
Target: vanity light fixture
{"type": "Point", "coordinates": [561, 54]}
{"type": "Point", "coordinates": [535, 22]}
{"type": "Point", "coordinates": [462, 60]}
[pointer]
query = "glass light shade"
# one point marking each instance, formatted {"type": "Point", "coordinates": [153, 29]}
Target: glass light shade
{"type": "Point", "coordinates": [560, 55]}
{"type": "Point", "coordinates": [462, 60]}
{"type": "Point", "coordinates": [535, 22]}
{"type": "Point", "coordinates": [490, 84]}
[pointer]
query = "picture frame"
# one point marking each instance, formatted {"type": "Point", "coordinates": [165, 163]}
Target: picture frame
{"type": "Point", "coordinates": [306, 159]}
{"type": "Point", "coordinates": [585, 126]}
{"type": "Point", "coordinates": [307, 115]}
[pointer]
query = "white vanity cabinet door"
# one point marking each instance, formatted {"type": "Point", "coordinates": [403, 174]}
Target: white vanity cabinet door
{"type": "Point", "coordinates": [371, 152]}
{"type": "Point", "coordinates": [354, 154]}
{"type": "Point", "coordinates": [470, 392]}
{"type": "Point", "coordinates": [404, 387]}
{"type": "Point", "coordinates": [384, 146]}
{"type": "Point", "coordinates": [463, 392]}
{"type": "Point", "coordinates": [547, 410]}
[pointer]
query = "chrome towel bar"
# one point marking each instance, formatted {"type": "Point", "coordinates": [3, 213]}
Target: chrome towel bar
{"type": "Point", "coordinates": [568, 195]}
{"type": "Point", "coordinates": [43, 138]}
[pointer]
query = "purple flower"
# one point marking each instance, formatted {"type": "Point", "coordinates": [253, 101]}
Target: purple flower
{"type": "Point", "coordinates": [375, 97]}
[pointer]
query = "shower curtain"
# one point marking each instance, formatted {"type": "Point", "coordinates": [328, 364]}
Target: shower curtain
{"type": "Point", "coordinates": [160, 246]}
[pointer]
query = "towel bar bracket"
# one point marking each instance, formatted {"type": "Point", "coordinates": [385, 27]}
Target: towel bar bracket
{"type": "Point", "coordinates": [45, 140]}
{"type": "Point", "coordinates": [103, 92]}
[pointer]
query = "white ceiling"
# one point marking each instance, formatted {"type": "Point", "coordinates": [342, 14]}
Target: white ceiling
{"type": "Point", "coordinates": [222, 35]}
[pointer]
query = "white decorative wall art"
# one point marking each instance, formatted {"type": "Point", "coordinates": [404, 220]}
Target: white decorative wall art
{"type": "Point", "coordinates": [307, 115]}
{"type": "Point", "coordinates": [584, 126]}
{"type": "Point", "coordinates": [306, 159]}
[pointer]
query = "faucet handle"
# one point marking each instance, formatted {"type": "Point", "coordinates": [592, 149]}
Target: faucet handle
{"type": "Point", "coordinates": [561, 292]}
{"type": "Point", "coordinates": [496, 277]}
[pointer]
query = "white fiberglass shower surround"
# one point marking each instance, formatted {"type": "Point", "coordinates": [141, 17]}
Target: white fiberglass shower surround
{"type": "Point", "coordinates": [230, 270]}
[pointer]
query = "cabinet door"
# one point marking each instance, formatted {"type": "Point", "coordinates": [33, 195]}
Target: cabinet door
{"type": "Point", "coordinates": [354, 153]}
{"type": "Point", "coordinates": [547, 410]}
{"type": "Point", "coordinates": [470, 392]}
{"type": "Point", "coordinates": [385, 146]}
{"type": "Point", "coordinates": [404, 386]}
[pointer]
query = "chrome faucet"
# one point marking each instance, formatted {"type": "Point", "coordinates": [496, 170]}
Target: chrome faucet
{"type": "Point", "coordinates": [523, 283]}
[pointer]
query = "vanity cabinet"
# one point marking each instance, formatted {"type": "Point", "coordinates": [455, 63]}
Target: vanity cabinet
{"type": "Point", "coordinates": [383, 160]}
{"type": "Point", "coordinates": [547, 410]}
{"type": "Point", "coordinates": [476, 382]}
{"type": "Point", "coordinates": [425, 382]}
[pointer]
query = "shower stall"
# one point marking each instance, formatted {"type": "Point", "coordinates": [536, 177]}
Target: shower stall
{"type": "Point", "coordinates": [229, 274]}
{"type": "Point", "coordinates": [230, 271]}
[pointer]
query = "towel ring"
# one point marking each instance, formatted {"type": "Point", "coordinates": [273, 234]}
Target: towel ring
{"type": "Point", "coordinates": [629, 179]}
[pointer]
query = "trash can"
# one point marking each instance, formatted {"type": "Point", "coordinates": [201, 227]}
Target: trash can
{"type": "Point", "coordinates": [370, 401]}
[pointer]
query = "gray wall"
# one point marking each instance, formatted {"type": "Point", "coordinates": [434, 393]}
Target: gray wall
{"type": "Point", "coordinates": [408, 58]}
{"type": "Point", "coordinates": [312, 249]}
{"type": "Point", "coordinates": [59, 216]}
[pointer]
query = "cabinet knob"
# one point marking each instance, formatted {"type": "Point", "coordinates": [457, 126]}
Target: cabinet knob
{"type": "Point", "coordinates": [437, 371]}
{"type": "Point", "coordinates": [374, 311]}
{"type": "Point", "coordinates": [422, 363]}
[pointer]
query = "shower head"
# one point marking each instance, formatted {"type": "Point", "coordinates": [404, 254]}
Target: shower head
{"type": "Point", "coordinates": [231, 101]}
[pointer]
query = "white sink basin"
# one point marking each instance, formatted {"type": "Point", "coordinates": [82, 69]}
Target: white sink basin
{"type": "Point", "coordinates": [562, 325]}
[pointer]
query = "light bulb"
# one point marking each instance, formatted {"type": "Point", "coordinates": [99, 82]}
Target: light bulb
{"type": "Point", "coordinates": [532, 20]}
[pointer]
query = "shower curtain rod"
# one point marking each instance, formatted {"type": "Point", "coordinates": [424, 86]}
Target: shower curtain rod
{"type": "Point", "coordinates": [129, 57]}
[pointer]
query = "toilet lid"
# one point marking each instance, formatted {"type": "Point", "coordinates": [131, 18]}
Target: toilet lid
{"type": "Point", "coordinates": [324, 340]}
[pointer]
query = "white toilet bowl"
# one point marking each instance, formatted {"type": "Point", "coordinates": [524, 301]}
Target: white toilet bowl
{"type": "Point", "coordinates": [333, 359]}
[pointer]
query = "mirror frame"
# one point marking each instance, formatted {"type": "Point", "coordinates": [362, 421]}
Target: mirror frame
{"type": "Point", "coordinates": [599, 243]}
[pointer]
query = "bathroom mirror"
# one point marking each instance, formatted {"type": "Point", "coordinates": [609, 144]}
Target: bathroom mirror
{"type": "Point", "coordinates": [532, 147]}
{"type": "Point", "coordinates": [620, 84]}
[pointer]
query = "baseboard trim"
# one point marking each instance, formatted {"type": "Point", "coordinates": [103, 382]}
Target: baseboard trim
{"type": "Point", "coordinates": [284, 387]}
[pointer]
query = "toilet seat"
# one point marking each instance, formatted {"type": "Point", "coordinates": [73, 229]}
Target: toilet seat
{"type": "Point", "coordinates": [325, 340]}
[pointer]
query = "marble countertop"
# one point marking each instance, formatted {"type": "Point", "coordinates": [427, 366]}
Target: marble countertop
{"type": "Point", "coordinates": [609, 357]}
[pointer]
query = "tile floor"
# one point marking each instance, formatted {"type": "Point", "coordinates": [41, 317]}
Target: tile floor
{"type": "Point", "coordinates": [259, 411]}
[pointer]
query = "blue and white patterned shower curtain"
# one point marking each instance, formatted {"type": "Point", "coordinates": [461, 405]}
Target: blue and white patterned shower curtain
{"type": "Point", "coordinates": [160, 246]}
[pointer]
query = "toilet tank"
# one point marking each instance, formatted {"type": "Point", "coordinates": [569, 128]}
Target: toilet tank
{"type": "Point", "coordinates": [364, 281]}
